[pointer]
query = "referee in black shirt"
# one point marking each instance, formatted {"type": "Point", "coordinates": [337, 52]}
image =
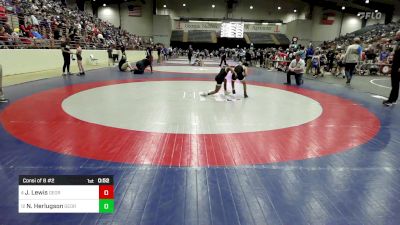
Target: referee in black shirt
{"type": "Point", "coordinates": [395, 75]}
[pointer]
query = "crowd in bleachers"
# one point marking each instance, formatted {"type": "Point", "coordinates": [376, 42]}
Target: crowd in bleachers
{"type": "Point", "coordinates": [46, 23]}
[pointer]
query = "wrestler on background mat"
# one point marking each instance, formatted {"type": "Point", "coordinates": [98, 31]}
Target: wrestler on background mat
{"type": "Point", "coordinates": [221, 78]}
{"type": "Point", "coordinates": [142, 65]}
{"type": "Point", "coordinates": [123, 64]}
{"type": "Point", "coordinates": [240, 74]}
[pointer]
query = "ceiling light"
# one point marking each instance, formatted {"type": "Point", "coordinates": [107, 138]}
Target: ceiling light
{"type": "Point", "coordinates": [376, 11]}
{"type": "Point", "coordinates": [165, 6]}
{"type": "Point", "coordinates": [343, 7]}
{"type": "Point", "coordinates": [251, 7]}
{"type": "Point", "coordinates": [279, 8]}
{"type": "Point", "coordinates": [184, 5]}
{"type": "Point", "coordinates": [104, 5]}
{"type": "Point", "coordinates": [295, 10]}
{"type": "Point", "coordinates": [213, 6]}
{"type": "Point", "coordinates": [366, 1]}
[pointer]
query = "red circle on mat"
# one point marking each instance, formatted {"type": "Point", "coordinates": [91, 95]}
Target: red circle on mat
{"type": "Point", "coordinates": [40, 121]}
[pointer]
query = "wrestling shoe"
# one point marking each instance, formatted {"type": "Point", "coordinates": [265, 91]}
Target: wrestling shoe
{"type": "Point", "coordinates": [387, 103]}
{"type": "Point", "coordinates": [3, 100]}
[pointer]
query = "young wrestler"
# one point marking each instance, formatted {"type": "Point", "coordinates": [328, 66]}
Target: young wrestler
{"type": "Point", "coordinates": [240, 73]}
{"type": "Point", "coordinates": [79, 60]}
{"type": "Point", "coordinates": [220, 78]}
{"type": "Point", "coordinates": [142, 64]}
{"type": "Point", "coordinates": [123, 64]}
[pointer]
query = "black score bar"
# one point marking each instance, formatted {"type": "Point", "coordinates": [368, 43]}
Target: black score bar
{"type": "Point", "coordinates": [66, 180]}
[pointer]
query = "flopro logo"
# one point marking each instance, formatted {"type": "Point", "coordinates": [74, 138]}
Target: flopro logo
{"type": "Point", "coordinates": [370, 15]}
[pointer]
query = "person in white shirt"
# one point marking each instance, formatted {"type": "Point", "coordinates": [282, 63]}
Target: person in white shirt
{"type": "Point", "coordinates": [296, 68]}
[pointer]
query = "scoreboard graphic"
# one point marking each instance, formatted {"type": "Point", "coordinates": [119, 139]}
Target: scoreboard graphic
{"type": "Point", "coordinates": [232, 30]}
{"type": "Point", "coordinates": [65, 194]}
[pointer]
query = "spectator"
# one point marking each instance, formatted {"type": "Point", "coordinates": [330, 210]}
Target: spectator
{"type": "Point", "coordinates": [309, 55]}
{"type": "Point", "coordinates": [352, 57]}
{"type": "Point", "coordinates": [2, 97]}
{"type": "Point", "coordinates": [316, 63]}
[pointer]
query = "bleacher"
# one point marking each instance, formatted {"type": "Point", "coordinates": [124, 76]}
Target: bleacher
{"type": "Point", "coordinates": [260, 38]}
{"type": "Point", "coordinates": [282, 39]}
{"type": "Point", "coordinates": [177, 35]}
{"type": "Point", "coordinates": [364, 30]}
{"type": "Point", "coordinates": [200, 36]}
{"type": "Point", "coordinates": [18, 29]}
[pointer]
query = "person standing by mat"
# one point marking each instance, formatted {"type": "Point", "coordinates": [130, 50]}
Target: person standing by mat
{"type": "Point", "coordinates": [395, 74]}
{"type": "Point", "coordinates": [222, 54]}
{"type": "Point", "coordinates": [190, 54]}
{"type": "Point", "coordinates": [2, 97]}
{"type": "Point", "coordinates": [351, 58]}
{"type": "Point", "coordinates": [220, 78]}
{"type": "Point", "coordinates": [79, 60]}
{"type": "Point", "coordinates": [240, 73]}
{"type": "Point", "coordinates": [66, 53]}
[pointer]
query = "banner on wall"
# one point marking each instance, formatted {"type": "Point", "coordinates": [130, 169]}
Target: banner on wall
{"type": "Point", "coordinates": [328, 18]}
{"type": "Point", "coordinates": [259, 28]}
{"type": "Point", "coordinates": [135, 10]}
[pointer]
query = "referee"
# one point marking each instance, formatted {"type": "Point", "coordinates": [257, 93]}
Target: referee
{"type": "Point", "coordinates": [395, 75]}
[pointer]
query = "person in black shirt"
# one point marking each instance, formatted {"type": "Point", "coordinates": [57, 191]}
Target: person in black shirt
{"type": "Point", "coordinates": [248, 57]}
{"type": "Point", "coordinates": [220, 78]}
{"type": "Point", "coordinates": [149, 54]}
{"type": "Point", "coordinates": [110, 56]}
{"type": "Point", "coordinates": [240, 74]}
{"type": "Point", "coordinates": [222, 54]}
{"type": "Point", "coordinates": [395, 74]}
{"type": "Point", "coordinates": [56, 34]}
{"type": "Point", "coordinates": [66, 53]}
{"type": "Point", "coordinates": [142, 65]}
{"type": "Point", "coordinates": [159, 54]}
{"type": "Point", "coordinates": [190, 54]}
{"type": "Point", "coordinates": [331, 57]}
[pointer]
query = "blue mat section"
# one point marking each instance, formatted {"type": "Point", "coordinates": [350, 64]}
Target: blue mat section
{"type": "Point", "coordinates": [359, 186]}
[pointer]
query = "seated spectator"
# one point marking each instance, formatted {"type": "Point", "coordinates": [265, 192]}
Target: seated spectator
{"type": "Point", "coordinates": [5, 38]}
{"type": "Point", "coordinates": [36, 34]}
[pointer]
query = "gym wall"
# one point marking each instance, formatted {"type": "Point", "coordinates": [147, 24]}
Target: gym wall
{"type": "Point", "coordinates": [18, 61]}
{"type": "Point", "coordinates": [263, 10]}
{"type": "Point", "coordinates": [142, 26]}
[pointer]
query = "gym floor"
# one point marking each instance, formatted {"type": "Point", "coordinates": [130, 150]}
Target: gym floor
{"type": "Point", "coordinates": [322, 153]}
